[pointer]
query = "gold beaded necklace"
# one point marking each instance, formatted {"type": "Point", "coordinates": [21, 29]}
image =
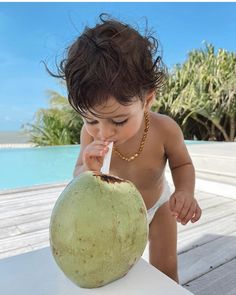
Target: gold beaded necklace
{"type": "Point", "coordinates": [147, 123]}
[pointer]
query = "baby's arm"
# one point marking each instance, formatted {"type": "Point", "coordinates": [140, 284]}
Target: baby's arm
{"type": "Point", "coordinates": [182, 203]}
{"type": "Point", "coordinates": [85, 139]}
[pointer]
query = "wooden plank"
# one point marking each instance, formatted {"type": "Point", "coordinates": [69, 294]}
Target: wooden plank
{"type": "Point", "coordinates": [32, 226]}
{"type": "Point", "coordinates": [208, 228]}
{"type": "Point", "coordinates": [9, 231]}
{"type": "Point", "coordinates": [33, 188]}
{"type": "Point", "coordinates": [210, 214]}
{"type": "Point", "coordinates": [15, 201]}
{"type": "Point", "coordinates": [203, 195]}
{"type": "Point", "coordinates": [30, 217]}
{"type": "Point", "coordinates": [28, 192]}
{"type": "Point", "coordinates": [23, 240]}
{"type": "Point", "coordinates": [41, 244]}
{"type": "Point", "coordinates": [23, 211]}
{"type": "Point", "coordinates": [27, 206]}
{"type": "Point", "coordinates": [214, 201]}
{"type": "Point", "coordinates": [205, 233]}
{"type": "Point", "coordinates": [219, 281]}
{"type": "Point", "coordinates": [200, 260]}
{"type": "Point", "coordinates": [36, 200]}
{"type": "Point", "coordinates": [23, 195]}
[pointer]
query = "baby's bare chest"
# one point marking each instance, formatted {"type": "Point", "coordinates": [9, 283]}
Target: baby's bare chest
{"type": "Point", "coordinates": [145, 172]}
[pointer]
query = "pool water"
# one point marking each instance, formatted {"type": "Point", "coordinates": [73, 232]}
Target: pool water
{"type": "Point", "coordinates": [23, 167]}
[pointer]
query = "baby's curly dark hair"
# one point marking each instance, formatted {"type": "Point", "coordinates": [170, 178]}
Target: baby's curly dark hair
{"type": "Point", "coordinates": [110, 59]}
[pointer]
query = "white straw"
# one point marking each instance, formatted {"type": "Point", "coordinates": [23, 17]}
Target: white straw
{"type": "Point", "coordinates": [107, 160]}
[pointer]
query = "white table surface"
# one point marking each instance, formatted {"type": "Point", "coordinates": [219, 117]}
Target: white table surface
{"type": "Point", "coordinates": [36, 273]}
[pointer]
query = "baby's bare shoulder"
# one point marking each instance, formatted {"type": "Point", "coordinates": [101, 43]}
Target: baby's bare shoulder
{"type": "Point", "coordinates": [170, 134]}
{"type": "Point", "coordinates": [163, 123]}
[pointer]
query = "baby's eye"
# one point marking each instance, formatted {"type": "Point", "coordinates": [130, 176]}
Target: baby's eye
{"type": "Point", "coordinates": [120, 123]}
{"type": "Point", "coordinates": [91, 122]}
{"type": "Point", "coordinates": [113, 122]}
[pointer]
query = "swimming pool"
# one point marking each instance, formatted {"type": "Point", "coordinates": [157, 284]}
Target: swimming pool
{"type": "Point", "coordinates": [23, 167]}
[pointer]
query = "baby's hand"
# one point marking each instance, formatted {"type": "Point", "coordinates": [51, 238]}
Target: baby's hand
{"type": "Point", "coordinates": [94, 154]}
{"type": "Point", "coordinates": [184, 207]}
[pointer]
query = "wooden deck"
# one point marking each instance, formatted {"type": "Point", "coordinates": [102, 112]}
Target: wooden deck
{"type": "Point", "coordinates": [207, 249]}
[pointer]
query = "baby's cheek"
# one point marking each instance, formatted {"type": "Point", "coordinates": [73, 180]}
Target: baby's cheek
{"type": "Point", "coordinates": [132, 130]}
{"type": "Point", "coordinates": [93, 131]}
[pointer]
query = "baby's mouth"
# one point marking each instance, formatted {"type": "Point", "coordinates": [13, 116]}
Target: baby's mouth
{"type": "Point", "coordinates": [111, 140]}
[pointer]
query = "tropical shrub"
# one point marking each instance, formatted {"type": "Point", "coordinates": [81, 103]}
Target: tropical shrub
{"type": "Point", "coordinates": [201, 95]}
{"type": "Point", "coordinates": [58, 125]}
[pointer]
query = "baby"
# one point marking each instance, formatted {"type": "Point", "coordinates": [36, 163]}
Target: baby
{"type": "Point", "coordinates": [112, 80]}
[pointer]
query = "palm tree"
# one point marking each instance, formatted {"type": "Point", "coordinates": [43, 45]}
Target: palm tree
{"type": "Point", "coordinates": [58, 125]}
{"type": "Point", "coordinates": [202, 92]}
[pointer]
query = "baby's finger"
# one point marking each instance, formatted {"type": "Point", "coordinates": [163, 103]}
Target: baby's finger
{"type": "Point", "coordinates": [184, 211]}
{"type": "Point", "coordinates": [99, 144]}
{"type": "Point", "coordinates": [189, 215]}
{"type": "Point", "coordinates": [95, 152]}
{"type": "Point", "coordinates": [172, 203]}
{"type": "Point", "coordinates": [178, 206]}
{"type": "Point", "coordinates": [198, 213]}
{"type": "Point", "coordinates": [103, 151]}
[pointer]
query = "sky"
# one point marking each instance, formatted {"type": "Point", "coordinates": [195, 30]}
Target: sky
{"type": "Point", "coordinates": [34, 32]}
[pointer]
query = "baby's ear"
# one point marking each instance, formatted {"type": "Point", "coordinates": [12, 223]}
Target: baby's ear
{"type": "Point", "coordinates": [149, 99]}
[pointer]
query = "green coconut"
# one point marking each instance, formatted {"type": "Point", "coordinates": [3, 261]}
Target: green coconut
{"type": "Point", "coordinates": [98, 229]}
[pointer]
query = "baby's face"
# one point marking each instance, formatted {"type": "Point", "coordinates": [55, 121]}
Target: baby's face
{"type": "Point", "coordinates": [115, 122]}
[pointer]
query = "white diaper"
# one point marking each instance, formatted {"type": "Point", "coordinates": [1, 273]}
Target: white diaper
{"type": "Point", "coordinates": [163, 198]}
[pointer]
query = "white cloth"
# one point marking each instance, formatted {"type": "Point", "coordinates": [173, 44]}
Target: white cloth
{"type": "Point", "coordinates": [163, 198]}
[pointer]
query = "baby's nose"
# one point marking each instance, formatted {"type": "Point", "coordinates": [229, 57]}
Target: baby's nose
{"type": "Point", "coordinates": [107, 134]}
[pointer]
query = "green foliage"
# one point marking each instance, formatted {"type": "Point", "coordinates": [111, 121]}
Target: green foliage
{"type": "Point", "coordinates": [201, 95]}
{"type": "Point", "coordinates": [58, 125]}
